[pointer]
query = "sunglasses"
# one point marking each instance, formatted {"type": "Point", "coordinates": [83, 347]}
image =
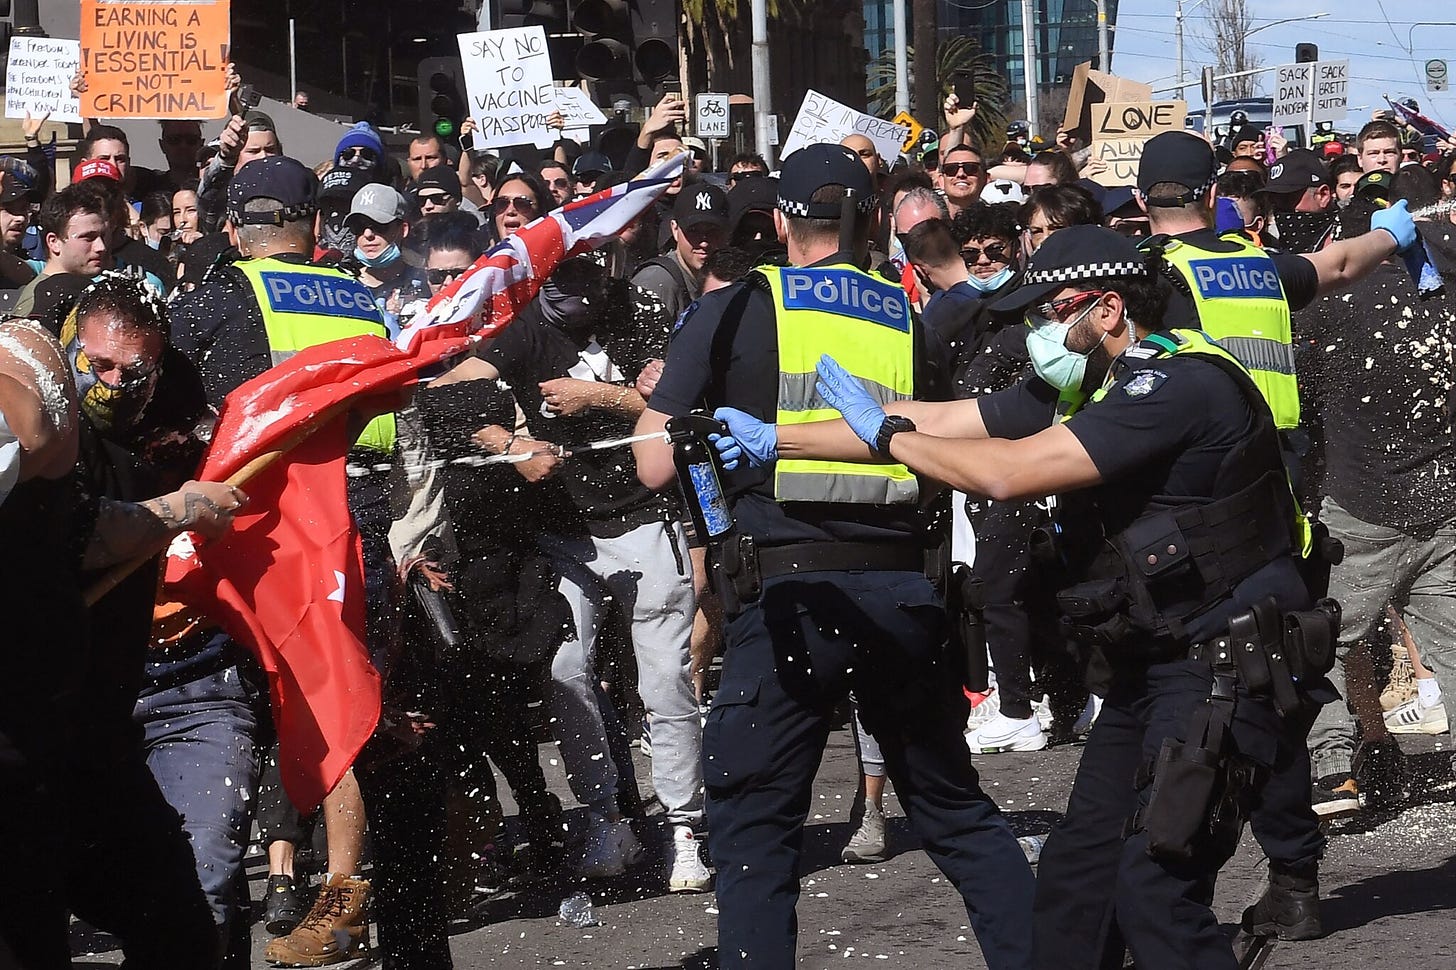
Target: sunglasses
{"type": "Point", "coordinates": [523, 204]}
{"type": "Point", "coordinates": [439, 277]}
{"type": "Point", "coordinates": [435, 198]}
{"type": "Point", "coordinates": [356, 153]}
{"type": "Point", "coordinates": [994, 254]}
{"type": "Point", "coordinates": [133, 377]}
{"type": "Point", "coordinates": [958, 168]}
{"type": "Point", "coordinates": [740, 176]}
{"type": "Point", "coordinates": [1055, 310]}
{"type": "Point", "coordinates": [560, 183]}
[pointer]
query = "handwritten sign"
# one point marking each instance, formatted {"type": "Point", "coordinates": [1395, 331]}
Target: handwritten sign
{"type": "Point", "coordinates": [1120, 129]}
{"type": "Point", "coordinates": [1331, 90]}
{"type": "Point", "coordinates": [509, 86]}
{"type": "Point", "coordinates": [580, 112]}
{"type": "Point", "coordinates": [822, 119]}
{"type": "Point", "coordinates": [155, 60]}
{"type": "Point", "coordinates": [38, 79]}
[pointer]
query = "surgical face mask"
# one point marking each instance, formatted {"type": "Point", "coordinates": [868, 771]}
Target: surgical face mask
{"type": "Point", "coordinates": [383, 259]}
{"type": "Point", "coordinates": [992, 283]}
{"type": "Point", "coordinates": [1053, 362]}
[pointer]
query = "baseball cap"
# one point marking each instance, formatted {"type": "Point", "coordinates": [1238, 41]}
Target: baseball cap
{"type": "Point", "coordinates": [1299, 170]}
{"type": "Point", "coordinates": [340, 184]}
{"type": "Point", "coordinates": [278, 177]}
{"type": "Point", "coordinates": [814, 166]}
{"type": "Point", "coordinates": [751, 195]}
{"type": "Point", "coordinates": [1179, 157]}
{"type": "Point", "coordinates": [696, 144]}
{"type": "Point", "coordinates": [591, 163]}
{"type": "Point", "coordinates": [1246, 133]}
{"type": "Point", "coordinates": [1075, 254]}
{"type": "Point", "coordinates": [378, 203]}
{"type": "Point", "coordinates": [11, 188]}
{"type": "Point", "coordinates": [699, 204]}
{"type": "Point", "coordinates": [437, 178]}
{"type": "Point", "coordinates": [1003, 190]}
{"type": "Point", "coordinates": [97, 168]}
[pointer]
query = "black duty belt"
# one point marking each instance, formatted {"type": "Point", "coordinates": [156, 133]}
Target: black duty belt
{"type": "Point", "coordinates": [845, 557]}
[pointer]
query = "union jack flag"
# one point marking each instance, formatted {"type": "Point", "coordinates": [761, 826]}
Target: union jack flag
{"type": "Point", "coordinates": [507, 276]}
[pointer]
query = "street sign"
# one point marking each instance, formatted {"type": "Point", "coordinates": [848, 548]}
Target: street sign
{"type": "Point", "coordinates": [711, 115]}
{"type": "Point", "coordinates": [1317, 91]}
{"type": "Point", "coordinates": [912, 139]}
{"type": "Point", "coordinates": [1436, 77]}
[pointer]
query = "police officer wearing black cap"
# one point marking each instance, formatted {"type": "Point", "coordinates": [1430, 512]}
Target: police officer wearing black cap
{"type": "Point", "coordinates": [825, 583]}
{"type": "Point", "coordinates": [1185, 545]}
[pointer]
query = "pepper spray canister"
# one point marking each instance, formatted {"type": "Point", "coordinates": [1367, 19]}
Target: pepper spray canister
{"type": "Point", "coordinates": [700, 474]}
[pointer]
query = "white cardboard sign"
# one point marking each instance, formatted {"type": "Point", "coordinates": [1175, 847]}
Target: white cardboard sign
{"type": "Point", "coordinates": [38, 79]}
{"type": "Point", "coordinates": [822, 119]}
{"type": "Point", "coordinates": [509, 86]}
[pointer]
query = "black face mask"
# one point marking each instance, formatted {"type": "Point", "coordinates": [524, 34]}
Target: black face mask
{"type": "Point", "coordinates": [1302, 232]}
{"type": "Point", "coordinates": [575, 315]}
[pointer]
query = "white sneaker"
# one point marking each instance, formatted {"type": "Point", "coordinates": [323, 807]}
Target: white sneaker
{"type": "Point", "coordinates": [1412, 718]}
{"type": "Point", "coordinates": [1003, 733]}
{"type": "Point", "coordinates": [1043, 711]}
{"type": "Point", "coordinates": [1088, 717]}
{"type": "Point", "coordinates": [686, 872]}
{"type": "Point", "coordinates": [610, 849]}
{"type": "Point", "coordinates": [985, 711]}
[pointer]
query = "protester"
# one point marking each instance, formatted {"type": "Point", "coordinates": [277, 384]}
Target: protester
{"type": "Point", "coordinates": [699, 228]}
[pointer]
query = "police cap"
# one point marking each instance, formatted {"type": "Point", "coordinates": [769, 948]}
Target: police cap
{"type": "Point", "coordinates": [277, 177]}
{"type": "Point", "coordinates": [1076, 254]}
{"type": "Point", "coordinates": [814, 166]}
{"type": "Point", "coordinates": [1179, 157]}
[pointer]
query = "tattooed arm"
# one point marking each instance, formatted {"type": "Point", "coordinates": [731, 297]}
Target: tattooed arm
{"type": "Point", "coordinates": [126, 530]}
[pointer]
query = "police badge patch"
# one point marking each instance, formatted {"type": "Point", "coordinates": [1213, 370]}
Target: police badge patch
{"type": "Point", "coordinates": [1143, 383]}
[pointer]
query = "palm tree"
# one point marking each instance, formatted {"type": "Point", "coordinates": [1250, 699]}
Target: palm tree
{"type": "Point", "coordinates": [716, 34]}
{"type": "Point", "coordinates": [954, 56]}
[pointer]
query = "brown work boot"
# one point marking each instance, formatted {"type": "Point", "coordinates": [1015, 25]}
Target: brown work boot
{"type": "Point", "coordinates": [336, 928]}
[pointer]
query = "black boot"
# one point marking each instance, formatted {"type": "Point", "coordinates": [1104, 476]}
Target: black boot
{"type": "Point", "coordinates": [1289, 908]}
{"type": "Point", "coordinates": [283, 907]}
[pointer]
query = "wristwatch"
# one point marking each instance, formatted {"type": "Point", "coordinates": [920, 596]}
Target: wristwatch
{"type": "Point", "coordinates": [893, 425]}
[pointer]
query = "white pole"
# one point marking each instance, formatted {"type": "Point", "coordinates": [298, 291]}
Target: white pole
{"type": "Point", "coordinates": [292, 62]}
{"type": "Point", "coordinates": [902, 60]}
{"type": "Point", "coordinates": [763, 117]}
{"type": "Point", "coordinates": [1104, 57]}
{"type": "Point", "coordinates": [1178, 29]}
{"type": "Point", "coordinates": [1028, 62]}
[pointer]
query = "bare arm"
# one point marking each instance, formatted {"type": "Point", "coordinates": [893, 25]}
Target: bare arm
{"type": "Point", "coordinates": [654, 458]}
{"type": "Point", "coordinates": [999, 468]}
{"type": "Point", "coordinates": [1342, 263]}
{"type": "Point", "coordinates": [127, 530]}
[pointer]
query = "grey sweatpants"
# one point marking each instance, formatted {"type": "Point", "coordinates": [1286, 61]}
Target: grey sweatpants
{"type": "Point", "coordinates": [648, 572]}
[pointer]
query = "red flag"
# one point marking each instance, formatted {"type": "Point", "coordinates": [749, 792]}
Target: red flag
{"type": "Point", "coordinates": [288, 580]}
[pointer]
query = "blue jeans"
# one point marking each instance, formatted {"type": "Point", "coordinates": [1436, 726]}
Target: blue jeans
{"type": "Point", "coordinates": [199, 747]}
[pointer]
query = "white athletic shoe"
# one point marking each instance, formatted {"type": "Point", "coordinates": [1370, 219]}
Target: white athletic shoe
{"type": "Point", "coordinates": [985, 711]}
{"type": "Point", "coordinates": [1003, 733]}
{"type": "Point", "coordinates": [610, 850]}
{"type": "Point", "coordinates": [1043, 711]}
{"type": "Point", "coordinates": [1412, 718]}
{"type": "Point", "coordinates": [686, 872]}
{"type": "Point", "coordinates": [1088, 717]}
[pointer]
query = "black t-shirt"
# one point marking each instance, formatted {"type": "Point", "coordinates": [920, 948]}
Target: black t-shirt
{"type": "Point", "coordinates": [1376, 367]}
{"type": "Point", "coordinates": [1296, 274]}
{"type": "Point", "coordinates": [602, 484]}
{"type": "Point", "coordinates": [725, 353]}
{"type": "Point", "coordinates": [219, 327]}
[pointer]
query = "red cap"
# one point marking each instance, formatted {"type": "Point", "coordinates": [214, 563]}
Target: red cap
{"type": "Point", "coordinates": [97, 168]}
{"type": "Point", "coordinates": [1333, 148]}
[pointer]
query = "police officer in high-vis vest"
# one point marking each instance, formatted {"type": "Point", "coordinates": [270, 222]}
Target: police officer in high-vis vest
{"type": "Point", "coordinates": [1183, 552]}
{"type": "Point", "coordinates": [825, 583]}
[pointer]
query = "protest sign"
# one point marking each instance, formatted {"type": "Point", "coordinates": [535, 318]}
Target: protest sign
{"type": "Point", "coordinates": [822, 119]}
{"type": "Point", "coordinates": [155, 60]}
{"type": "Point", "coordinates": [1120, 129]}
{"type": "Point", "coordinates": [38, 79]}
{"type": "Point", "coordinates": [508, 84]}
{"type": "Point", "coordinates": [1091, 87]}
{"type": "Point", "coordinates": [1331, 90]}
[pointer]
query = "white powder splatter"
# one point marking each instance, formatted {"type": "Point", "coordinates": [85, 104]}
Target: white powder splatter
{"type": "Point", "coordinates": [52, 392]}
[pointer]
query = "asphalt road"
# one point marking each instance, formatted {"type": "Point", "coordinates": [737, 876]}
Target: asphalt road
{"type": "Point", "coordinates": [1389, 880]}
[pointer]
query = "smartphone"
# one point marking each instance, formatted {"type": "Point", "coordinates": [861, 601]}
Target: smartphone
{"type": "Point", "coordinates": [248, 98]}
{"type": "Point", "coordinates": [672, 86]}
{"type": "Point", "coordinates": [963, 83]}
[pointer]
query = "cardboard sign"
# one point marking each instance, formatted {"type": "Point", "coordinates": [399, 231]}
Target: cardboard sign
{"type": "Point", "coordinates": [710, 115]}
{"type": "Point", "coordinates": [38, 79]}
{"type": "Point", "coordinates": [580, 112]}
{"type": "Point", "coordinates": [1331, 90]}
{"type": "Point", "coordinates": [913, 138]}
{"type": "Point", "coordinates": [509, 86]}
{"type": "Point", "coordinates": [1120, 129]}
{"type": "Point", "coordinates": [155, 60]}
{"type": "Point", "coordinates": [1090, 88]}
{"type": "Point", "coordinates": [822, 119]}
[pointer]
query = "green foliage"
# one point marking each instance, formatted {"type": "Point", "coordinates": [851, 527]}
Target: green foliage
{"type": "Point", "coordinates": [954, 55]}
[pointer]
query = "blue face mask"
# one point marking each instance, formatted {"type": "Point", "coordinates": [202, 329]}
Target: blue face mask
{"type": "Point", "coordinates": [383, 259]}
{"type": "Point", "coordinates": [993, 283]}
{"type": "Point", "coordinates": [1060, 367]}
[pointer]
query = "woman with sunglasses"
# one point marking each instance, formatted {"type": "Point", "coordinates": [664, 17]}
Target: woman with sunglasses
{"type": "Point", "coordinates": [517, 199]}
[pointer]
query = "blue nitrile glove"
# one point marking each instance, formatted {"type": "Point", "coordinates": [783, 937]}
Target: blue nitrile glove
{"type": "Point", "coordinates": [1397, 221]}
{"type": "Point", "coordinates": [847, 396]}
{"type": "Point", "coordinates": [747, 438]}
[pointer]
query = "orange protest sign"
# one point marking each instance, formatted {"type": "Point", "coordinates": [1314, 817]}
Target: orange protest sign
{"type": "Point", "coordinates": [155, 60]}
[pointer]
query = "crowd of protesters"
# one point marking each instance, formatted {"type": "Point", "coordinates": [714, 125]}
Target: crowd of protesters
{"type": "Point", "coordinates": [556, 598]}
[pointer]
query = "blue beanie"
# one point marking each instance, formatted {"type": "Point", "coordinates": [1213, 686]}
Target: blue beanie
{"type": "Point", "coordinates": [361, 135]}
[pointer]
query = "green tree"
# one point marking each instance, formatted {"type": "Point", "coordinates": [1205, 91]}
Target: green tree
{"type": "Point", "coordinates": [955, 56]}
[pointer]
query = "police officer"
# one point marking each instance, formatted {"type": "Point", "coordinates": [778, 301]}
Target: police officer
{"type": "Point", "coordinates": [826, 584]}
{"type": "Point", "coordinates": [1188, 547]}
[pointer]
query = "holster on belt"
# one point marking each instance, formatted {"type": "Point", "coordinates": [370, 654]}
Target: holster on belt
{"type": "Point", "coordinates": [1257, 641]}
{"type": "Point", "coordinates": [964, 600]}
{"type": "Point", "coordinates": [734, 572]}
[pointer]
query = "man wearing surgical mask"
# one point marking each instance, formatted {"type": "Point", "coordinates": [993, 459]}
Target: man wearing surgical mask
{"type": "Point", "coordinates": [987, 235]}
{"type": "Point", "coordinates": [377, 219]}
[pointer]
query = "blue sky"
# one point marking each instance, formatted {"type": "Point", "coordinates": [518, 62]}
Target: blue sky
{"type": "Point", "coordinates": [1374, 40]}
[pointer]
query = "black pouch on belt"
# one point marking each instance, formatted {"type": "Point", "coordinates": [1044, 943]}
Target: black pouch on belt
{"type": "Point", "coordinates": [965, 599]}
{"type": "Point", "coordinates": [734, 568]}
{"type": "Point", "coordinates": [1185, 783]}
{"type": "Point", "coordinates": [1309, 639]}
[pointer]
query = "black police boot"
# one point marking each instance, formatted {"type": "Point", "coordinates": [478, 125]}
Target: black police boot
{"type": "Point", "coordinates": [1289, 908]}
{"type": "Point", "coordinates": [283, 906]}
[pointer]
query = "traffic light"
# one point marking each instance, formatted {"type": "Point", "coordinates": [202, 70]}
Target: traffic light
{"type": "Point", "coordinates": [442, 96]}
{"type": "Point", "coordinates": [605, 55]}
{"type": "Point", "coordinates": [1306, 53]}
{"type": "Point", "coordinates": [551, 16]}
{"type": "Point", "coordinates": [654, 35]}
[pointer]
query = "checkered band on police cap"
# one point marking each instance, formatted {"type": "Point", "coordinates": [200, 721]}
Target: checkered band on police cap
{"type": "Point", "coordinates": [1084, 271]}
{"type": "Point", "coordinates": [814, 166]}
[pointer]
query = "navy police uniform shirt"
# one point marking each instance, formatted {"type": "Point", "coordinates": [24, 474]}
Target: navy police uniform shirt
{"type": "Point", "coordinates": [1296, 274]}
{"type": "Point", "coordinates": [725, 353]}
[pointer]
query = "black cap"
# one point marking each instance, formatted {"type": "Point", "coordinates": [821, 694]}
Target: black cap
{"type": "Point", "coordinates": [814, 166]}
{"type": "Point", "coordinates": [1180, 157]}
{"type": "Point", "coordinates": [1076, 254]}
{"type": "Point", "coordinates": [1299, 170]}
{"type": "Point", "coordinates": [437, 178]}
{"type": "Point", "coordinates": [699, 204]}
{"type": "Point", "coordinates": [11, 188]}
{"type": "Point", "coordinates": [1246, 133]}
{"type": "Point", "coordinates": [591, 163]}
{"type": "Point", "coordinates": [339, 185]}
{"type": "Point", "coordinates": [751, 195]}
{"type": "Point", "coordinates": [277, 177]}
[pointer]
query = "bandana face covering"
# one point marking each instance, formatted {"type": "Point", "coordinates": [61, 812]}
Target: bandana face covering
{"type": "Point", "coordinates": [110, 407]}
